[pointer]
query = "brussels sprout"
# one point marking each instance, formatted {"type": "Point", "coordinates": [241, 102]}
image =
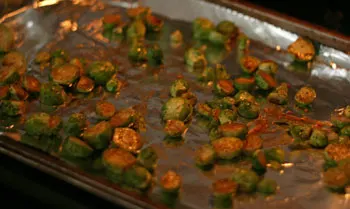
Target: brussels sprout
{"type": "Point", "coordinates": [302, 50]}
{"type": "Point", "coordinates": [224, 190]}
{"type": "Point", "coordinates": [127, 139]}
{"type": "Point", "coordinates": [216, 38]}
{"type": "Point", "coordinates": [116, 161]}
{"type": "Point", "coordinates": [195, 59]}
{"type": "Point", "coordinates": [248, 110]}
{"type": "Point", "coordinates": [227, 28]}
{"type": "Point", "coordinates": [267, 186]}
{"type": "Point", "coordinates": [174, 128]}
{"type": "Point", "coordinates": [75, 147]}
{"type": "Point", "coordinates": [242, 45]}
{"type": "Point", "coordinates": [249, 64]}
{"type": "Point", "coordinates": [60, 53]}
{"type": "Point", "coordinates": [305, 96]}
{"type": "Point", "coordinates": [275, 154]}
{"type": "Point", "coordinates": [335, 179]}
{"type": "Point", "coordinates": [224, 88]}
{"type": "Point", "coordinates": [214, 74]}
{"type": "Point", "coordinates": [137, 53]}
{"type": "Point", "coordinates": [45, 143]}
{"type": "Point", "coordinates": [136, 30]}
{"type": "Point", "coordinates": [137, 177]}
{"type": "Point", "coordinates": [65, 74]}
{"type": "Point", "coordinates": [269, 67]}
{"type": "Point", "coordinates": [333, 137]}
{"type": "Point", "coordinates": [101, 71]}
{"type": "Point", "coordinates": [337, 152]}
{"type": "Point", "coordinates": [4, 92]}
{"type": "Point", "coordinates": [57, 62]}
{"type": "Point", "coordinates": [52, 94]}
{"type": "Point", "coordinates": [138, 12]}
{"type": "Point", "coordinates": [345, 131]}
{"type": "Point", "coordinates": [12, 108]}
{"type": "Point", "coordinates": [264, 80]}
{"type": "Point", "coordinates": [253, 142]}
{"type": "Point", "coordinates": [153, 23]}
{"type": "Point", "coordinates": [17, 92]}
{"type": "Point", "coordinates": [201, 28]}
{"type": "Point", "coordinates": [75, 124]}
{"type": "Point", "coordinates": [31, 84]}
{"type": "Point", "coordinates": [148, 158]}
{"type": "Point", "coordinates": [42, 57]}
{"type": "Point", "coordinates": [339, 121]}
{"type": "Point", "coordinates": [99, 135]}
{"type": "Point", "coordinates": [179, 87]}
{"type": "Point", "coordinates": [124, 118]}
{"type": "Point", "coordinates": [318, 138]}
{"type": "Point", "coordinates": [244, 83]}
{"type": "Point", "coordinates": [85, 85]}
{"type": "Point", "coordinates": [280, 95]}
{"type": "Point", "coordinates": [205, 157]}
{"type": "Point", "coordinates": [105, 110]}
{"type": "Point", "coordinates": [300, 132]}
{"type": "Point", "coordinates": [155, 55]}
{"type": "Point", "coordinates": [347, 111]}
{"type": "Point", "coordinates": [223, 103]}
{"type": "Point", "coordinates": [171, 182]}
{"type": "Point", "coordinates": [79, 63]}
{"type": "Point", "coordinates": [176, 38]}
{"type": "Point", "coordinates": [227, 148]}
{"type": "Point", "coordinates": [247, 180]}
{"type": "Point", "coordinates": [244, 96]}
{"type": "Point", "coordinates": [7, 38]}
{"type": "Point", "coordinates": [17, 60]}
{"type": "Point", "coordinates": [259, 162]}
{"type": "Point", "coordinates": [8, 75]}
{"type": "Point", "coordinates": [238, 130]}
{"type": "Point", "coordinates": [177, 108]}
{"type": "Point", "coordinates": [190, 97]}
{"type": "Point", "coordinates": [204, 110]}
{"type": "Point", "coordinates": [111, 20]}
{"type": "Point", "coordinates": [114, 84]}
{"type": "Point", "coordinates": [344, 139]}
{"type": "Point", "coordinates": [227, 116]}
{"type": "Point", "coordinates": [42, 124]}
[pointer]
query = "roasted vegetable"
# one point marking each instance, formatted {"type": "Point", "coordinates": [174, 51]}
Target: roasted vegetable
{"type": "Point", "coordinates": [223, 103]}
{"type": "Point", "coordinates": [269, 67]}
{"type": "Point", "coordinates": [79, 63]}
{"type": "Point", "coordinates": [174, 128]}
{"type": "Point", "coordinates": [244, 83]}
{"type": "Point", "coordinates": [12, 108]}
{"type": "Point", "coordinates": [344, 140]}
{"type": "Point", "coordinates": [264, 80]}
{"type": "Point", "coordinates": [65, 74]}
{"type": "Point", "coordinates": [136, 30]}
{"type": "Point", "coordinates": [124, 118]}
{"type": "Point", "coordinates": [223, 191]}
{"type": "Point", "coordinates": [177, 108]}
{"type": "Point", "coordinates": [101, 71]}
{"type": "Point", "coordinates": [300, 132]}
{"type": "Point", "coordinates": [42, 57]}
{"type": "Point", "coordinates": [52, 94]}
{"type": "Point", "coordinates": [347, 111]}
{"type": "Point", "coordinates": [155, 55]}
{"type": "Point", "coordinates": [8, 75]}
{"type": "Point", "coordinates": [17, 92]}
{"type": "Point", "coordinates": [227, 28]}
{"type": "Point", "coordinates": [4, 92]}
{"type": "Point", "coordinates": [337, 152]}
{"type": "Point", "coordinates": [305, 96]}
{"type": "Point", "coordinates": [253, 142]}
{"type": "Point", "coordinates": [42, 124]}
{"type": "Point", "coordinates": [214, 74]}
{"type": "Point", "coordinates": [85, 85]}
{"type": "Point", "coordinates": [332, 137]}
{"type": "Point", "coordinates": [179, 87]}
{"type": "Point", "coordinates": [153, 23]}
{"type": "Point", "coordinates": [75, 124]}
{"type": "Point", "coordinates": [247, 180]}
{"type": "Point", "coordinates": [248, 110]}
{"type": "Point", "coordinates": [190, 97]}
{"type": "Point", "coordinates": [280, 95]}
{"type": "Point", "coordinates": [127, 139]}
{"type": "Point", "coordinates": [47, 144]}
{"type": "Point", "coordinates": [110, 21]}
{"type": "Point", "coordinates": [114, 84]}
{"type": "Point", "coordinates": [216, 38]}
{"type": "Point", "coordinates": [275, 154]}
{"type": "Point", "coordinates": [137, 177]}
{"type": "Point", "coordinates": [105, 110]}
{"type": "Point", "coordinates": [171, 182]}
{"type": "Point", "coordinates": [7, 38]}
{"type": "Point", "coordinates": [205, 157]}
{"type": "Point", "coordinates": [335, 179]}
{"type": "Point", "coordinates": [194, 58]}
{"type": "Point", "coordinates": [267, 186]}
{"type": "Point", "coordinates": [339, 120]}
{"type": "Point", "coordinates": [60, 53]}
{"type": "Point", "coordinates": [242, 45]}
{"type": "Point", "coordinates": [345, 131]}
{"type": "Point", "coordinates": [98, 136]}
{"type": "Point", "coordinates": [233, 129]}
{"type": "Point", "coordinates": [57, 61]}
{"type": "Point", "coordinates": [227, 148]}
{"type": "Point", "coordinates": [201, 28]}
{"type": "Point", "coordinates": [249, 64]}
{"type": "Point", "coordinates": [17, 60]}
{"type": "Point", "coordinates": [227, 116]}
{"type": "Point", "coordinates": [137, 53]}
{"type": "Point", "coordinates": [148, 158]}
{"type": "Point", "coordinates": [31, 84]}
{"type": "Point", "coordinates": [224, 88]}
{"type": "Point", "coordinates": [176, 38]}
{"type": "Point", "coordinates": [259, 162]}
{"type": "Point", "coordinates": [203, 110]}
{"type": "Point", "coordinates": [244, 96]}
{"type": "Point", "coordinates": [318, 138]}
{"type": "Point", "coordinates": [302, 50]}
{"type": "Point", "coordinates": [138, 12]}
{"type": "Point", "coordinates": [74, 147]}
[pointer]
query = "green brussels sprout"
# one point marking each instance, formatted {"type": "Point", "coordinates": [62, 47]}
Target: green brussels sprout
{"type": "Point", "coordinates": [179, 87]}
{"type": "Point", "coordinates": [267, 186]}
{"type": "Point", "coordinates": [224, 88]}
{"type": "Point", "coordinates": [7, 38]}
{"type": "Point", "coordinates": [74, 147]}
{"type": "Point", "coordinates": [17, 60]}
{"type": "Point", "coordinates": [345, 131]}
{"type": "Point", "coordinates": [8, 75]}
{"type": "Point", "coordinates": [204, 110]}
{"type": "Point", "coordinates": [300, 132]}
{"type": "Point", "coordinates": [114, 84]}
{"type": "Point", "coordinates": [333, 137]}
{"type": "Point", "coordinates": [116, 161]}
{"type": "Point", "coordinates": [171, 182]}
{"type": "Point", "coordinates": [176, 38]}
{"type": "Point", "coordinates": [31, 84]}
{"type": "Point", "coordinates": [339, 121]}
{"type": "Point", "coordinates": [136, 30]}
{"type": "Point", "coordinates": [335, 179]}
{"type": "Point", "coordinates": [280, 95]}
{"type": "Point", "coordinates": [259, 162]}
{"type": "Point", "coordinates": [227, 148]}
{"type": "Point", "coordinates": [248, 110]}
{"type": "Point", "coordinates": [138, 12]}
{"type": "Point", "coordinates": [42, 124]}
{"type": "Point", "coordinates": [45, 143]}
{"type": "Point", "coordinates": [194, 58]}
{"type": "Point", "coordinates": [264, 80]}
{"type": "Point", "coordinates": [52, 94]}
{"type": "Point", "coordinates": [269, 67]}
{"type": "Point", "coordinates": [75, 124]}
{"type": "Point", "coordinates": [227, 28]}
{"type": "Point", "coordinates": [253, 142]}
{"type": "Point", "coordinates": [105, 110]}
{"type": "Point", "coordinates": [137, 177]}
{"type": "Point", "coordinates": [305, 96]}
{"type": "Point", "coordinates": [244, 96]}
{"type": "Point", "coordinates": [233, 129]}
{"type": "Point", "coordinates": [302, 50]}
{"type": "Point", "coordinates": [155, 55]}
{"type": "Point", "coordinates": [242, 45]}
{"type": "Point", "coordinates": [127, 139]}
{"type": "Point", "coordinates": [148, 158]}
{"type": "Point", "coordinates": [65, 74]}
{"type": "Point", "coordinates": [42, 57]}
{"type": "Point", "coordinates": [79, 63]}
{"type": "Point", "coordinates": [177, 108]}
{"type": "Point", "coordinates": [227, 116]}
{"type": "Point", "coordinates": [57, 62]}
{"type": "Point", "coordinates": [345, 166]}
{"type": "Point", "coordinates": [214, 74]}
{"type": "Point", "coordinates": [101, 71]}
{"type": "Point", "coordinates": [12, 108]}
{"type": "Point", "coordinates": [337, 152]}
{"type": "Point", "coordinates": [17, 92]}
{"type": "Point", "coordinates": [249, 64]}
{"type": "Point", "coordinates": [153, 23]}
{"type": "Point", "coordinates": [98, 136]}
{"type": "Point", "coordinates": [223, 191]}
{"type": "Point", "coordinates": [244, 83]}
{"type": "Point", "coordinates": [85, 85]}
{"type": "Point", "coordinates": [318, 138]}
{"type": "Point", "coordinates": [174, 128]}
{"type": "Point", "coordinates": [223, 103]}
{"type": "Point", "coordinates": [201, 28]}
{"type": "Point", "coordinates": [205, 157]}
{"type": "Point", "coordinates": [4, 92]}
{"type": "Point", "coordinates": [247, 180]}
{"type": "Point", "coordinates": [347, 111]}
{"type": "Point", "coordinates": [190, 97]}
{"type": "Point", "coordinates": [123, 118]}
{"type": "Point", "coordinates": [216, 38]}
{"type": "Point", "coordinates": [137, 53]}
{"type": "Point", "coordinates": [60, 53]}
{"type": "Point", "coordinates": [275, 154]}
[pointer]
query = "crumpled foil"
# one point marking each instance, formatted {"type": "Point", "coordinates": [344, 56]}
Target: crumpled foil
{"type": "Point", "coordinates": [76, 27]}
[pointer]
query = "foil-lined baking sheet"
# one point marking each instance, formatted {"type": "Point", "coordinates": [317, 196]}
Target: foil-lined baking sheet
{"type": "Point", "coordinates": [76, 27]}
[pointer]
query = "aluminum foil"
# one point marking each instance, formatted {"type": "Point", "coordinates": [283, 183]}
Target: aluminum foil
{"type": "Point", "coordinates": [76, 27]}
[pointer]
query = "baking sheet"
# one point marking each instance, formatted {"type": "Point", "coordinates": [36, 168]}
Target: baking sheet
{"type": "Point", "coordinates": [76, 27]}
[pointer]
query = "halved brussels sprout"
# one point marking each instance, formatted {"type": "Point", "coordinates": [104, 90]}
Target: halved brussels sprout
{"type": "Point", "coordinates": [280, 95]}
{"type": "Point", "coordinates": [101, 71]}
{"type": "Point", "coordinates": [249, 64]}
{"type": "Point", "coordinates": [227, 28]}
{"type": "Point", "coordinates": [75, 147]}
{"type": "Point", "coordinates": [259, 162]}
{"type": "Point", "coordinates": [205, 157]}
{"type": "Point", "coordinates": [244, 96]}
{"type": "Point", "coordinates": [148, 158]}
{"type": "Point", "coordinates": [216, 38]}
{"type": "Point", "coordinates": [177, 108]}
{"type": "Point", "coordinates": [138, 12]}
{"type": "Point", "coordinates": [253, 142]}
{"type": "Point", "coordinates": [264, 80]}
{"type": "Point", "coordinates": [17, 60]}
{"type": "Point", "coordinates": [57, 62]}
{"type": "Point", "coordinates": [114, 84]}
{"type": "Point", "coordinates": [17, 92]}
{"type": "Point", "coordinates": [269, 67]}
{"type": "Point", "coordinates": [337, 152]}
{"type": "Point", "coordinates": [224, 190]}
{"type": "Point", "coordinates": [176, 38]}
{"type": "Point", "coordinates": [275, 154]}
{"type": "Point", "coordinates": [204, 110]}
{"type": "Point", "coordinates": [248, 110]}
{"type": "Point", "coordinates": [65, 74]}
{"type": "Point", "coordinates": [267, 186]}
{"type": "Point", "coordinates": [60, 53]}
{"type": "Point", "coordinates": [4, 92]}
{"type": "Point", "coordinates": [347, 111]}
{"type": "Point", "coordinates": [42, 57]}
{"type": "Point", "coordinates": [345, 131]}
{"type": "Point", "coordinates": [339, 121]}
{"type": "Point", "coordinates": [7, 38]}
{"type": "Point", "coordinates": [137, 53]}
{"type": "Point", "coordinates": [333, 137]}
{"type": "Point", "coordinates": [305, 96]}
{"type": "Point", "coordinates": [127, 139]}
{"type": "Point", "coordinates": [302, 50]}
{"type": "Point", "coordinates": [153, 23]}
{"type": "Point", "coordinates": [335, 179]}
{"type": "Point", "coordinates": [98, 136]}
{"type": "Point", "coordinates": [85, 85]}
{"type": "Point", "coordinates": [201, 28]}
{"type": "Point", "coordinates": [8, 75]}
{"type": "Point", "coordinates": [52, 94]}
{"type": "Point", "coordinates": [227, 148]}
{"type": "Point", "coordinates": [179, 87]}
{"type": "Point", "coordinates": [171, 182]}
{"type": "Point", "coordinates": [224, 88]}
{"type": "Point", "coordinates": [242, 45]}
{"type": "Point", "coordinates": [223, 103]}
{"type": "Point", "coordinates": [79, 63]}
{"type": "Point", "coordinates": [111, 20]}
{"type": "Point", "coordinates": [214, 74]}
{"type": "Point", "coordinates": [195, 59]}
{"type": "Point", "coordinates": [155, 55]}
{"type": "Point", "coordinates": [31, 84]}
{"type": "Point", "coordinates": [136, 30]}
{"type": "Point", "coordinates": [105, 110]}
{"type": "Point", "coordinates": [244, 83]}
{"type": "Point", "coordinates": [124, 118]}
{"type": "Point", "coordinates": [300, 132]}
{"type": "Point", "coordinates": [227, 116]}
{"type": "Point", "coordinates": [174, 128]}
{"type": "Point", "coordinates": [137, 177]}
{"type": "Point", "coordinates": [12, 108]}
{"type": "Point", "coordinates": [246, 179]}
{"type": "Point", "coordinates": [318, 138]}
{"type": "Point", "coordinates": [75, 124]}
{"type": "Point", "coordinates": [238, 130]}
{"type": "Point", "coordinates": [190, 97]}
{"type": "Point", "coordinates": [42, 124]}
